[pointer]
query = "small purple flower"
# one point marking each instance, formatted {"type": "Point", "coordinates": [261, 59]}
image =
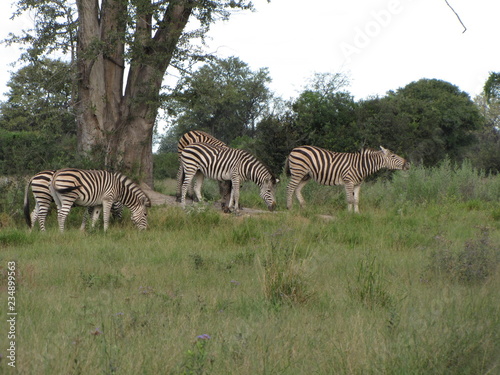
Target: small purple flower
{"type": "Point", "coordinates": [203, 337]}
{"type": "Point", "coordinates": [235, 283]}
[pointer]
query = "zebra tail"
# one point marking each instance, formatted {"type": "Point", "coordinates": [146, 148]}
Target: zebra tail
{"type": "Point", "coordinates": [26, 207]}
{"type": "Point", "coordinates": [287, 168]}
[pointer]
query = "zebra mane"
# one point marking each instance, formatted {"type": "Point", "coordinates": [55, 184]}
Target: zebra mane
{"type": "Point", "coordinates": [127, 182]}
{"type": "Point", "coordinates": [273, 176]}
{"type": "Point", "coordinates": [368, 150]}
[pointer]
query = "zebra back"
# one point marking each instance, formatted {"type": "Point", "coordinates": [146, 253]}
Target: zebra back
{"type": "Point", "coordinates": [220, 162]}
{"type": "Point", "coordinates": [197, 136]}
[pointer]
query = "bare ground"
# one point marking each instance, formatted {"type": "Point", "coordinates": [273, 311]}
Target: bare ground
{"type": "Point", "coordinates": [158, 199]}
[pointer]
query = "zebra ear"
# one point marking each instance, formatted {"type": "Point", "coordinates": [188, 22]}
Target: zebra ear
{"type": "Point", "coordinates": [386, 151]}
{"type": "Point", "coordinates": [277, 180]}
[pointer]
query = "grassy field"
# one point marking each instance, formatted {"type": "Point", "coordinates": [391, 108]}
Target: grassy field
{"type": "Point", "coordinates": [409, 286]}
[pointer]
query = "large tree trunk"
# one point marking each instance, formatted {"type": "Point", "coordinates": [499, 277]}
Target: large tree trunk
{"type": "Point", "coordinates": [115, 127]}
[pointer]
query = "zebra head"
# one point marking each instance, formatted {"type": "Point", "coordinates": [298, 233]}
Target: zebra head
{"type": "Point", "coordinates": [268, 192]}
{"type": "Point", "coordinates": [139, 212]}
{"type": "Point", "coordinates": [393, 161]}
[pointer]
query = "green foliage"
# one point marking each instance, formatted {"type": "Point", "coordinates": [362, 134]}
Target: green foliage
{"type": "Point", "coordinates": [326, 116]}
{"type": "Point", "coordinates": [24, 153]}
{"type": "Point", "coordinates": [446, 181]}
{"type": "Point", "coordinates": [39, 99]}
{"type": "Point", "coordinates": [223, 97]}
{"type": "Point", "coordinates": [37, 126]}
{"type": "Point", "coordinates": [428, 120]}
{"type": "Point", "coordinates": [492, 86]}
{"type": "Point", "coordinates": [165, 165]}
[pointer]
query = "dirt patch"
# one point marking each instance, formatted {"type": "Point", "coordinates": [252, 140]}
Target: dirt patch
{"type": "Point", "coordinates": [158, 199]}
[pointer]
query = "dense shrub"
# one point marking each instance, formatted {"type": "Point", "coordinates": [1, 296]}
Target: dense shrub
{"type": "Point", "coordinates": [165, 165]}
{"type": "Point", "coordinates": [23, 153]}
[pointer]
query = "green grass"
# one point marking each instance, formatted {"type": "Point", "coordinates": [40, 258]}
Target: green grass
{"type": "Point", "coordinates": [409, 286]}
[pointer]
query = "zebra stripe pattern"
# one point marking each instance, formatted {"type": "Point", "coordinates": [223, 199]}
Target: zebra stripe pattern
{"type": "Point", "coordinates": [198, 136]}
{"type": "Point", "coordinates": [336, 168]}
{"type": "Point", "coordinates": [96, 188]}
{"type": "Point", "coordinates": [226, 164]}
{"type": "Point", "coordinates": [39, 184]}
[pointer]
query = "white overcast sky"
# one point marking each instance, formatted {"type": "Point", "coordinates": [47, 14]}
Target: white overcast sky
{"type": "Point", "coordinates": [381, 44]}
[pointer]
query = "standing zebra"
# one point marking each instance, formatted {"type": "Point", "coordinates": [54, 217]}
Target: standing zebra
{"type": "Point", "coordinates": [336, 168]}
{"type": "Point", "coordinates": [94, 188]}
{"type": "Point", "coordinates": [40, 183]}
{"type": "Point", "coordinates": [198, 136]}
{"type": "Point", "coordinates": [224, 164]}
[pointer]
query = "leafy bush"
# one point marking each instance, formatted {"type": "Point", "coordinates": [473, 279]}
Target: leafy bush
{"type": "Point", "coordinates": [30, 152]}
{"type": "Point", "coordinates": [165, 165]}
{"type": "Point", "coordinates": [446, 181]}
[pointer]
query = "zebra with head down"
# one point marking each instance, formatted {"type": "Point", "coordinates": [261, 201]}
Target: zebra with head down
{"type": "Point", "coordinates": [198, 136]}
{"type": "Point", "coordinates": [336, 168]}
{"type": "Point", "coordinates": [39, 184]}
{"type": "Point", "coordinates": [226, 164]}
{"type": "Point", "coordinates": [97, 188]}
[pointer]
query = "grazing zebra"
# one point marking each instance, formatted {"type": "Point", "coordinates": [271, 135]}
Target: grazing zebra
{"type": "Point", "coordinates": [336, 168]}
{"type": "Point", "coordinates": [224, 164]}
{"type": "Point", "coordinates": [94, 188]}
{"type": "Point", "coordinates": [40, 187]}
{"type": "Point", "coordinates": [198, 136]}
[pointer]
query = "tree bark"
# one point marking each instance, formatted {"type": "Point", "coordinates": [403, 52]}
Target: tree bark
{"type": "Point", "coordinates": [115, 127]}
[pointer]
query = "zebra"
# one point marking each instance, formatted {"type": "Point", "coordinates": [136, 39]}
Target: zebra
{"type": "Point", "coordinates": [336, 168]}
{"type": "Point", "coordinates": [224, 164]}
{"type": "Point", "coordinates": [198, 136]}
{"type": "Point", "coordinates": [94, 188]}
{"type": "Point", "coordinates": [39, 184]}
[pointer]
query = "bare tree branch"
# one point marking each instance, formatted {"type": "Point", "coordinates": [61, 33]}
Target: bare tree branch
{"type": "Point", "coordinates": [456, 14]}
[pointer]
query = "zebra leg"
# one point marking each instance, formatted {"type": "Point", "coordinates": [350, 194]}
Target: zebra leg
{"type": "Point", "coordinates": [106, 212]}
{"type": "Point", "coordinates": [295, 181]}
{"type": "Point", "coordinates": [34, 217]}
{"type": "Point", "coordinates": [84, 219]}
{"type": "Point", "coordinates": [188, 177]}
{"type": "Point", "coordinates": [198, 183]}
{"type": "Point", "coordinates": [234, 204]}
{"type": "Point", "coordinates": [225, 193]}
{"type": "Point", "coordinates": [298, 193]}
{"type": "Point", "coordinates": [41, 215]}
{"type": "Point", "coordinates": [94, 213]}
{"type": "Point", "coordinates": [350, 195]}
{"type": "Point", "coordinates": [356, 197]}
{"type": "Point", "coordinates": [62, 214]}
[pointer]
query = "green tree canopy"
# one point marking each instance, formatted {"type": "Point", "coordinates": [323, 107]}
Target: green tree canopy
{"type": "Point", "coordinates": [224, 97]}
{"type": "Point", "coordinates": [492, 86]}
{"type": "Point", "coordinates": [37, 124]}
{"type": "Point", "coordinates": [426, 120]}
{"type": "Point", "coordinates": [120, 51]}
{"type": "Point", "coordinates": [39, 99]}
{"type": "Point", "coordinates": [326, 116]}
